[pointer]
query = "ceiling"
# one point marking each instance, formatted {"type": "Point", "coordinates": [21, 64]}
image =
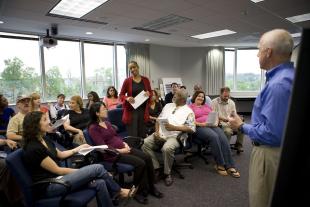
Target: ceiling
{"type": "Point", "coordinates": [247, 19]}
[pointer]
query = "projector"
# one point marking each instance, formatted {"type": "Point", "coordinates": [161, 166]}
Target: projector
{"type": "Point", "coordinates": [48, 42]}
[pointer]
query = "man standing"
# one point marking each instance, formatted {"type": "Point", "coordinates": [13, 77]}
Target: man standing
{"type": "Point", "coordinates": [225, 107]}
{"type": "Point", "coordinates": [169, 96]}
{"type": "Point", "coordinates": [268, 114]}
{"type": "Point", "coordinates": [178, 118]}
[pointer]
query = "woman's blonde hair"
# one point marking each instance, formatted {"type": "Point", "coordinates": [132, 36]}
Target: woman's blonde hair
{"type": "Point", "coordinates": [78, 100]}
{"type": "Point", "coordinates": [33, 96]}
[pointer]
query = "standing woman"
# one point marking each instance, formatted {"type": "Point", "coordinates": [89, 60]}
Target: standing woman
{"type": "Point", "coordinates": [111, 100]}
{"type": "Point", "coordinates": [135, 119]}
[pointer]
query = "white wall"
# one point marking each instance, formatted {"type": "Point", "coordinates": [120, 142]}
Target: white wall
{"type": "Point", "coordinates": [187, 63]}
{"type": "Point", "coordinates": [164, 62]}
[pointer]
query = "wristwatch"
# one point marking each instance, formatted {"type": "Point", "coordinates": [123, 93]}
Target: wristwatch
{"type": "Point", "coordinates": [240, 129]}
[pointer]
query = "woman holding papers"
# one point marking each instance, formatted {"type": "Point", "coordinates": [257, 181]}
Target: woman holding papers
{"type": "Point", "coordinates": [208, 131]}
{"type": "Point", "coordinates": [135, 118]}
{"type": "Point", "coordinates": [102, 133]}
{"type": "Point", "coordinates": [41, 156]}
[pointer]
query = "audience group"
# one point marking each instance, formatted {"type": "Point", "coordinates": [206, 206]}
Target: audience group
{"type": "Point", "coordinates": [164, 124]}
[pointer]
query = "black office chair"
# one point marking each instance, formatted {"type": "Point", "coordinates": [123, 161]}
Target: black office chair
{"type": "Point", "coordinates": [201, 149]}
{"type": "Point", "coordinates": [18, 169]}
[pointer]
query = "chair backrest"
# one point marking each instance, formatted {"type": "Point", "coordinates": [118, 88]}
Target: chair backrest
{"type": "Point", "coordinates": [18, 170]}
{"type": "Point", "coordinates": [115, 118]}
{"type": "Point", "coordinates": [88, 138]}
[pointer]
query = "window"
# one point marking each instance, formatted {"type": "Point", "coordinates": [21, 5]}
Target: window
{"type": "Point", "coordinates": [244, 75]}
{"type": "Point", "coordinates": [62, 70]}
{"type": "Point", "coordinates": [22, 57]}
{"type": "Point", "coordinates": [121, 65]}
{"type": "Point", "coordinates": [98, 67]}
{"type": "Point", "coordinates": [248, 76]}
{"type": "Point", "coordinates": [19, 67]}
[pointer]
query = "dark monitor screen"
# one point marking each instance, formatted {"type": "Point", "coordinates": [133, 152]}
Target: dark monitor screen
{"type": "Point", "coordinates": [292, 186]}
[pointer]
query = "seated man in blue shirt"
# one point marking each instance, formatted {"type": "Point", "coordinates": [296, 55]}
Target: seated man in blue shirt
{"type": "Point", "coordinates": [268, 114]}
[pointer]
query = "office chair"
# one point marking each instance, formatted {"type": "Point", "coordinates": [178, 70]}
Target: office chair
{"type": "Point", "coordinates": [200, 146]}
{"type": "Point", "coordinates": [115, 167]}
{"type": "Point", "coordinates": [18, 169]}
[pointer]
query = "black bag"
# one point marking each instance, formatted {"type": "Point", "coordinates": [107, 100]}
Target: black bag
{"type": "Point", "coordinates": [80, 160]}
{"type": "Point", "coordinates": [134, 142]}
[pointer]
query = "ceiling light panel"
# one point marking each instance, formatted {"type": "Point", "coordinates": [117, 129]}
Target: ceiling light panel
{"type": "Point", "coordinates": [76, 8]}
{"type": "Point", "coordinates": [256, 1]}
{"type": "Point", "coordinates": [214, 34]}
{"type": "Point", "coordinates": [299, 18]}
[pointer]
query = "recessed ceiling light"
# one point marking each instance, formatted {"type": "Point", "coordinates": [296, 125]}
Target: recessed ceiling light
{"type": "Point", "coordinates": [76, 8]}
{"type": "Point", "coordinates": [214, 34]}
{"type": "Point", "coordinates": [89, 33]}
{"type": "Point", "coordinates": [299, 18]}
{"type": "Point", "coordinates": [147, 40]}
{"type": "Point", "coordinates": [1, 22]}
{"type": "Point", "coordinates": [256, 1]}
{"type": "Point", "coordinates": [296, 34]}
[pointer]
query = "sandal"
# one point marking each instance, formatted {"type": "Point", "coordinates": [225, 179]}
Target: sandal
{"type": "Point", "coordinates": [233, 172]}
{"type": "Point", "coordinates": [126, 198]}
{"type": "Point", "coordinates": [220, 170]}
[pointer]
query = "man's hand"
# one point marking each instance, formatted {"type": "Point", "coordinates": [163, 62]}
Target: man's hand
{"type": "Point", "coordinates": [170, 127]}
{"type": "Point", "coordinates": [11, 144]}
{"type": "Point", "coordinates": [235, 121]}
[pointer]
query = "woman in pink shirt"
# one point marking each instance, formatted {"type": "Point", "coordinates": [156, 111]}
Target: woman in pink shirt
{"type": "Point", "coordinates": [111, 100]}
{"type": "Point", "coordinates": [214, 135]}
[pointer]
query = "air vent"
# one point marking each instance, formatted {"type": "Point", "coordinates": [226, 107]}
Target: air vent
{"type": "Point", "coordinates": [76, 19]}
{"type": "Point", "coordinates": [163, 22]}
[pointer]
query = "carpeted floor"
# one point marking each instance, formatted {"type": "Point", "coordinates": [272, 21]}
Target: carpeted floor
{"type": "Point", "coordinates": [202, 186]}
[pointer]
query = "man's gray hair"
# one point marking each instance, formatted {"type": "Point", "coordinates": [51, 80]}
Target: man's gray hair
{"type": "Point", "coordinates": [183, 94]}
{"type": "Point", "coordinates": [280, 40]}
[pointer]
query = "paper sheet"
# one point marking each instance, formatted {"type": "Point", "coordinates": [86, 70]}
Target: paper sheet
{"type": "Point", "coordinates": [212, 118]}
{"type": "Point", "coordinates": [85, 151]}
{"type": "Point", "coordinates": [139, 99]}
{"type": "Point", "coordinates": [60, 122]}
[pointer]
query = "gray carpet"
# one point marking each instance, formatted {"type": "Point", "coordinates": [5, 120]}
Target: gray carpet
{"type": "Point", "coordinates": [202, 186]}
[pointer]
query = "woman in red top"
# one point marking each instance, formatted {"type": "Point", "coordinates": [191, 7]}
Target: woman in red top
{"type": "Point", "coordinates": [135, 119]}
{"type": "Point", "coordinates": [102, 133]}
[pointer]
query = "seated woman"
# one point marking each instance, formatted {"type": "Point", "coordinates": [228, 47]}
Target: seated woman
{"type": "Point", "coordinates": [155, 109]}
{"type": "Point", "coordinates": [102, 132]}
{"type": "Point", "coordinates": [41, 156]}
{"type": "Point", "coordinates": [111, 100]}
{"type": "Point", "coordinates": [215, 135]}
{"type": "Point", "coordinates": [35, 104]}
{"type": "Point", "coordinates": [92, 98]}
{"type": "Point", "coordinates": [5, 114]}
{"type": "Point", "coordinates": [78, 119]}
